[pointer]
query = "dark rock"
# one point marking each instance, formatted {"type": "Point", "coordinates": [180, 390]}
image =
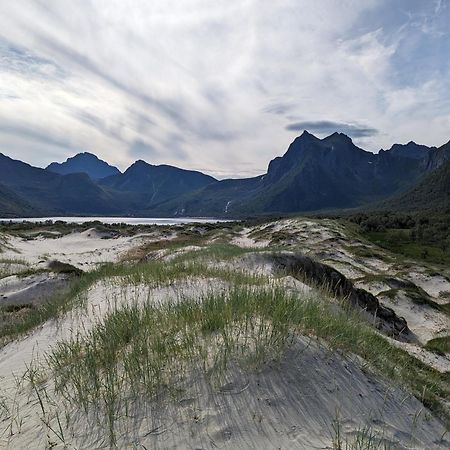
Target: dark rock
{"type": "Point", "coordinates": [306, 269]}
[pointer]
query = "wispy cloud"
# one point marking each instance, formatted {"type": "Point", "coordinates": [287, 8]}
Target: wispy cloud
{"type": "Point", "coordinates": [222, 85]}
{"type": "Point", "coordinates": [322, 127]}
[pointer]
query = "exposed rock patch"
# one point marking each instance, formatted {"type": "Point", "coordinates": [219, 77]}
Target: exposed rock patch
{"type": "Point", "coordinates": [305, 268]}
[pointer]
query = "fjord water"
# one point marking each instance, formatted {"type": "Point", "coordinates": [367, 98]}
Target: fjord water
{"type": "Point", "coordinates": [113, 220]}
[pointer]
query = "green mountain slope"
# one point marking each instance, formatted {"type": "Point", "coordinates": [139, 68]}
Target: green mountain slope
{"type": "Point", "coordinates": [148, 184]}
{"type": "Point", "coordinates": [431, 193]}
{"type": "Point", "coordinates": [11, 205]}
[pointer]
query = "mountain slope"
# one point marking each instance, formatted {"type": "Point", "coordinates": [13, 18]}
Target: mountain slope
{"type": "Point", "coordinates": [11, 205]}
{"type": "Point", "coordinates": [313, 174]}
{"type": "Point", "coordinates": [151, 184]}
{"type": "Point", "coordinates": [84, 163]}
{"type": "Point", "coordinates": [431, 193]}
{"type": "Point", "coordinates": [65, 194]}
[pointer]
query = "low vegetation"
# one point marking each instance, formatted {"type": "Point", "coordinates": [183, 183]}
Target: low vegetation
{"type": "Point", "coordinates": [420, 236]}
{"type": "Point", "coordinates": [11, 266]}
{"type": "Point", "coordinates": [440, 345]}
{"type": "Point", "coordinates": [146, 351]}
{"type": "Point", "coordinates": [139, 350]}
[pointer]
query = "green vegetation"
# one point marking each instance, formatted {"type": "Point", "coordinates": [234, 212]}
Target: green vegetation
{"type": "Point", "coordinates": [420, 236]}
{"type": "Point", "coordinates": [152, 273]}
{"type": "Point", "coordinates": [440, 345]}
{"type": "Point", "coordinates": [138, 351]}
{"type": "Point", "coordinates": [11, 266]}
{"type": "Point", "coordinates": [365, 439]}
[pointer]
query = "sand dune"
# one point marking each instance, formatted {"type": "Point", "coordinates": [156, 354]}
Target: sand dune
{"type": "Point", "coordinates": [297, 401]}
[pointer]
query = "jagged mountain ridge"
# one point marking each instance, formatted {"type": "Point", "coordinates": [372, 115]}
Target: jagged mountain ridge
{"type": "Point", "coordinates": [313, 174]}
{"type": "Point", "coordinates": [49, 193]}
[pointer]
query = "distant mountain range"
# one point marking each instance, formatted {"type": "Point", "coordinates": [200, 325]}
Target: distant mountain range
{"type": "Point", "coordinates": [314, 174]}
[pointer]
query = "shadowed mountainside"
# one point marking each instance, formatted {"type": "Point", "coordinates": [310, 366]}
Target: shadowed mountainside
{"type": "Point", "coordinates": [151, 184]}
{"type": "Point", "coordinates": [314, 174]}
{"type": "Point", "coordinates": [11, 205]}
{"type": "Point", "coordinates": [433, 192]}
{"type": "Point", "coordinates": [84, 163]}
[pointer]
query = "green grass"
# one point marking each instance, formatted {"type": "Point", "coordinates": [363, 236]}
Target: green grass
{"type": "Point", "coordinates": [366, 251]}
{"type": "Point", "coordinates": [136, 352]}
{"type": "Point", "coordinates": [8, 266]}
{"type": "Point", "coordinates": [399, 241]}
{"type": "Point", "coordinates": [418, 296]}
{"type": "Point", "coordinates": [152, 273]}
{"type": "Point", "coordinates": [14, 325]}
{"type": "Point", "coordinates": [365, 438]}
{"type": "Point", "coordinates": [440, 345]}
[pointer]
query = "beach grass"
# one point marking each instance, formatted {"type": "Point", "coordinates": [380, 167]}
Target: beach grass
{"type": "Point", "coordinates": [139, 351]}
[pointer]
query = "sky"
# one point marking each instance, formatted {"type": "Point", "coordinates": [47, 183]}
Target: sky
{"type": "Point", "coordinates": [221, 86]}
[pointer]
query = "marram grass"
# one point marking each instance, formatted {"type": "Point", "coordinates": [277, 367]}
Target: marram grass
{"type": "Point", "coordinates": [137, 352]}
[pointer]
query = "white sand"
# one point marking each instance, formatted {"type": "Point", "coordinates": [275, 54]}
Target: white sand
{"type": "Point", "coordinates": [85, 250]}
{"type": "Point", "coordinates": [34, 289]}
{"type": "Point", "coordinates": [436, 286]}
{"type": "Point", "coordinates": [287, 405]}
{"type": "Point", "coordinates": [290, 404]}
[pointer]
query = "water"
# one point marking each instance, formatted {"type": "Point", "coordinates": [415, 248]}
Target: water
{"type": "Point", "coordinates": [127, 220]}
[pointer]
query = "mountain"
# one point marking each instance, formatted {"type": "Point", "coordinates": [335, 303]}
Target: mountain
{"type": "Point", "coordinates": [410, 150]}
{"type": "Point", "coordinates": [313, 174]}
{"type": "Point", "coordinates": [57, 194]}
{"type": "Point", "coordinates": [150, 184]}
{"type": "Point", "coordinates": [431, 193]}
{"type": "Point", "coordinates": [11, 205]}
{"type": "Point", "coordinates": [84, 163]}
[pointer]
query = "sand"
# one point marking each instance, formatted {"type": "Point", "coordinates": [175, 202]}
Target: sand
{"type": "Point", "coordinates": [291, 403]}
{"type": "Point", "coordinates": [85, 250]}
{"type": "Point", "coordinates": [31, 290]}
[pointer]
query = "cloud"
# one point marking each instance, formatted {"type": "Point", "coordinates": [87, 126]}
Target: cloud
{"type": "Point", "coordinates": [141, 150]}
{"type": "Point", "coordinates": [218, 85]}
{"type": "Point", "coordinates": [19, 60]}
{"type": "Point", "coordinates": [328, 127]}
{"type": "Point", "coordinates": [26, 133]}
{"type": "Point", "coordinates": [279, 108]}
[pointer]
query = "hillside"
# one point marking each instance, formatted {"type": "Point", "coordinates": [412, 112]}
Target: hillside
{"type": "Point", "coordinates": [11, 205]}
{"type": "Point", "coordinates": [432, 192]}
{"type": "Point", "coordinates": [150, 184]}
{"type": "Point", "coordinates": [84, 163]}
{"type": "Point", "coordinates": [62, 194]}
{"type": "Point", "coordinates": [219, 335]}
{"type": "Point", "coordinates": [313, 174]}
